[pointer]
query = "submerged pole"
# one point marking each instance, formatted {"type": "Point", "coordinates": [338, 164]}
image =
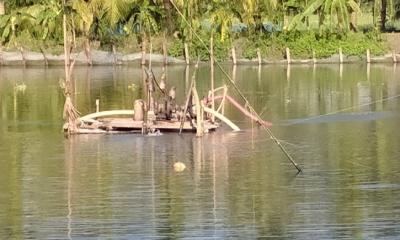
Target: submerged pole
{"type": "Point", "coordinates": [212, 76]}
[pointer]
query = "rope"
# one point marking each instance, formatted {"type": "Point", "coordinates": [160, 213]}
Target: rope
{"type": "Point", "coordinates": [345, 109]}
{"type": "Point", "coordinates": [238, 90]}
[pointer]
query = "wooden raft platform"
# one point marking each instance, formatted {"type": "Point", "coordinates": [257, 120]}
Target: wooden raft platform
{"type": "Point", "coordinates": [128, 125]}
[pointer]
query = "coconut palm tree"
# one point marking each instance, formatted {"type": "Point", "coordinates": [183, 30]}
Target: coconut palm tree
{"type": "Point", "coordinates": [386, 10]}
{"type": "Point", "coordinates": [331, 10]}
{"type": "Point", "coordinates": [222, 18]}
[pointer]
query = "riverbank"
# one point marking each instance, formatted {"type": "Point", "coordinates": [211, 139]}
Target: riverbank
{"type": "Point", "coordinates": [105, 58]}
{"type": "Point", "coordinates": [303, 50]}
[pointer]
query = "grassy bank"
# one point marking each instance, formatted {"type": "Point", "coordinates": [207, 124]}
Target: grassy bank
{"type": "Point", "coordinates": [272, 46]}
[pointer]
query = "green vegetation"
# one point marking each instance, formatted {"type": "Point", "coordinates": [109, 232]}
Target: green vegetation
{"type": "Point", "coordinates": [305, 26]}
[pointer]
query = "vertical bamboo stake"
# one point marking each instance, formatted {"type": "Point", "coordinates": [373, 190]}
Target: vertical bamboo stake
{"type": "Point", "coordinates": [259, 57]}
{"type": "Point", "coordinates": [187, 59]}
{"type": "Point", "coordinates": [88, 52]}
{"type": "Point", "coordinates": [164, 48]}
{"type": "Point", "coordinates": [143, 51]}
{"type": "Point", "coordinates": [46, 62]}
{"type": "Point", "coordinates": [187, 70]}
{"type": "Point", "coordinates": [223, 100]}
{"type": "Point", "coordinates": [70, 113]}
{"type": "Point", "coordinates": [340, 55]}
{"type": "Point", "coordinates": [314, 58]}
{"type": "Point", "coordinates": [1, 54]}
{"type": "Point", "coordinates": [97, 105]}
{"type": "Point", "coordinates": [234, 73]}
{"type": "Point", "coordinates": [199, 120]}
{"type": "Point", "coordinates": [394, 57]}
{"type": "Point", "coordinates": [66, 52]}
{"type": "Point", "coordinates": [233, 55]}
{"type": "Point", "coordinates": [21, 49]}
{"type": "Point", "coordinates": [289, 60]}
{"type": "Point", "coordinates": [368, 56]}
{"type": "Point", "coordinates": [151, 52]}
{"type": "Point", "coordinates": [212, 76]}
{"type": "Point", "coordinates": [114, 51]}
{"type": "Point", "coordinates": [368, 71]}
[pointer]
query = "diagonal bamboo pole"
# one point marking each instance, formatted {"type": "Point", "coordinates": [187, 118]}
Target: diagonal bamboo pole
{"type": "Point", "coordinates": [270, 133]}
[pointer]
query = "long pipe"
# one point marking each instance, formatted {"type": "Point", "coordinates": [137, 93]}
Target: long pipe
{"type": "Point", "coordinates": [244, 111]}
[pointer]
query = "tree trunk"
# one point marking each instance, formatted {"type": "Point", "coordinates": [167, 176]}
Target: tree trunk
{"type": "Point", "coordinates": [353, 21]}
{"type": "Point", "coordinates": [2, 8]}
{"type": "Point", "coordinates": [383, 14]}
{"type": "Point", "coordinates": [168, 10]}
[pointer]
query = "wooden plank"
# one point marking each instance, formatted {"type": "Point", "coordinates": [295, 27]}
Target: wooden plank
{"type": "Point", "coordinates": [130, 124]}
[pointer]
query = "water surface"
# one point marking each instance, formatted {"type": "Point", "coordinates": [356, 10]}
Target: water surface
{"type": "Point", "coordinates": [339, 123]}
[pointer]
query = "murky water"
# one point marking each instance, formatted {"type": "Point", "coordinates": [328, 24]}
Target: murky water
{"type": "Point", "coordinates": [236, 185]}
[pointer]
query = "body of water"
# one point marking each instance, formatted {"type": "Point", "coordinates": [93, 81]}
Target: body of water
{"type": "Point", "coordinates": [339, 123]}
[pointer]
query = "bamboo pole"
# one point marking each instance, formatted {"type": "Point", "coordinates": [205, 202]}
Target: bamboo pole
{"type": "Point", "coordinates": [212, 76]}
{"type": "Point", "coordinates": [188, 95]}
{"type": "Point", "coordinates": [394, 57]}
{"type": "Point", "coordinates": [223, 100]}
{"type": "Point", "coordinates": [187, 58]}
{"type": "Point", "coordinates": [66, 52]}
{"type": "Point", "coordinates": [233, 55]}
{"type": "Point", "coordinates": [70, 114]}
{"type": "Point", "coordinates": [234, 68]}
{"type": "Point", "coordinates": [368, 56]}
{"type": "Point", "coordinates": [199, 119]}
{"type": "Point", "coordinates": [289, 60]}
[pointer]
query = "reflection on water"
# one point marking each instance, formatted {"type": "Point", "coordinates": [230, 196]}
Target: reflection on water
{"type": "Point", "coordinates": [236, 185]}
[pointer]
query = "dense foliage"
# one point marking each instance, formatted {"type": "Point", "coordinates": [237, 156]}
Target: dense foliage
{"type": "Point", "coordinates": [303, 25]}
